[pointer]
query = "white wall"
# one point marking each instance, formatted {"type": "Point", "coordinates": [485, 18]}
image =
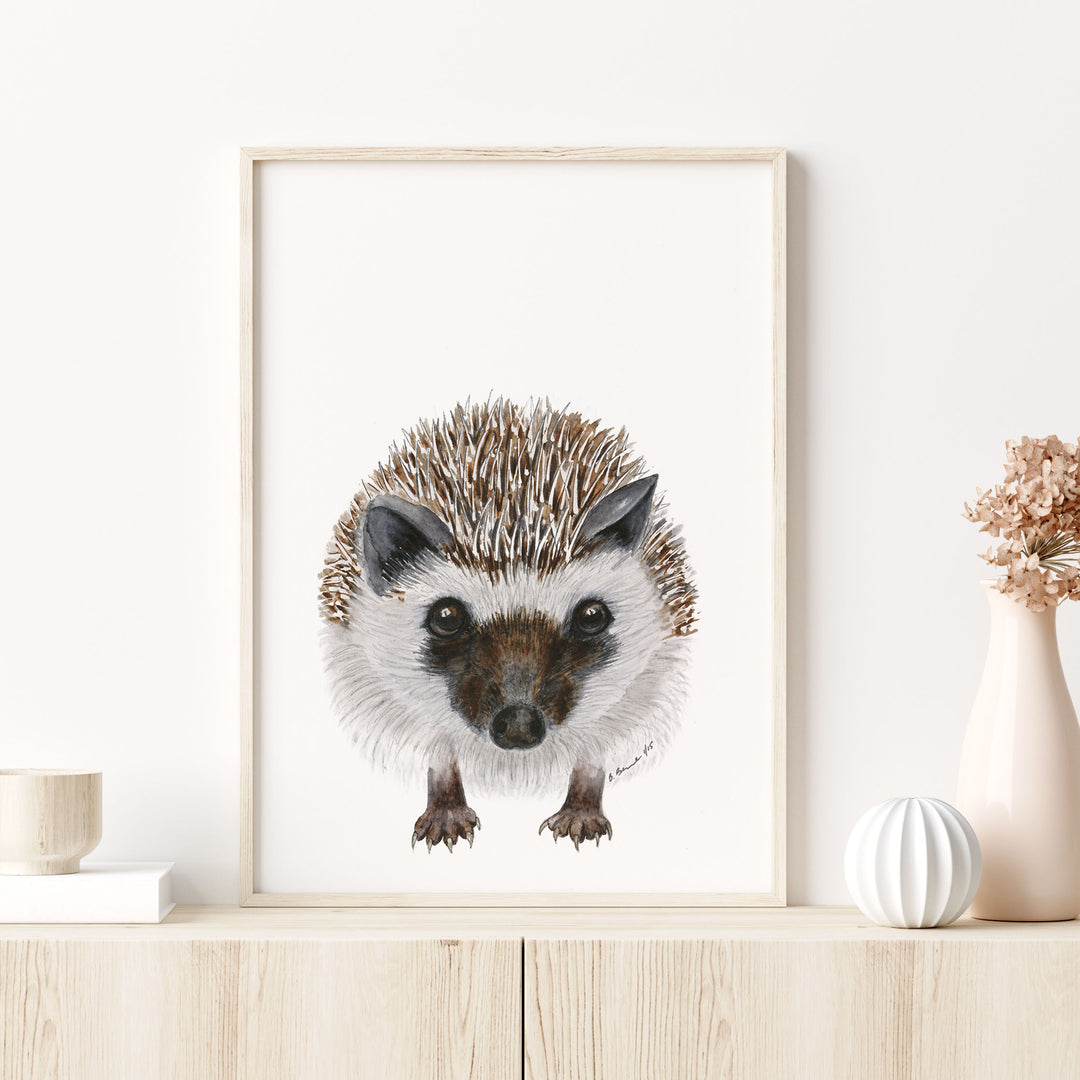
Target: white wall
{"type": "Point", "coordinates": [934, 284]}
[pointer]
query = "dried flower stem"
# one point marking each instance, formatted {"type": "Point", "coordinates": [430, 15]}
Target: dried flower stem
{"type": "Point", "coordinates": [1055, 552]}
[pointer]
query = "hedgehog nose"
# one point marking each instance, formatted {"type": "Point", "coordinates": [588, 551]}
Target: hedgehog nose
{"type": "Point", "coordinates": [517, 727]}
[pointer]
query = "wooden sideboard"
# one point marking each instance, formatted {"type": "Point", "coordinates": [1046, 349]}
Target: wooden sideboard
{"type": "Point", "coordinates": [545, 995]}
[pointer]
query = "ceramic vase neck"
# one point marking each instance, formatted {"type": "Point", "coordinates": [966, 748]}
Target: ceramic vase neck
{"type": "Point", "coordinates": [1023, 640]}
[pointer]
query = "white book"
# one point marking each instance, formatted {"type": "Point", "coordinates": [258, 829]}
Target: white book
{"type": "Point", "coordinates": [99, 893]}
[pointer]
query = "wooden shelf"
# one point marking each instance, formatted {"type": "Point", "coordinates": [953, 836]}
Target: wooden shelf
{"type": "Point", "coordinates": [778, 924]}
{"type": "Point", "coordinates": [545, 994]}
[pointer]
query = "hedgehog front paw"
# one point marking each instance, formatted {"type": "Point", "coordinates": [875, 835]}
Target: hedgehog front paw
{"type": "Point", "coordinates": [445, 825]}
{"type": "Point", "coordinates": [579, 825]}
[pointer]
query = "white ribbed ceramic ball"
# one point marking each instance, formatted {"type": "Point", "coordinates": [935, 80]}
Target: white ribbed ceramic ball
{"type": "Point", "coordinates": [913, 863]}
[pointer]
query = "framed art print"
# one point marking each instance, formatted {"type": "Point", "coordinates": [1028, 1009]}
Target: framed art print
{"type": "Point", "coordinates": [513, 525]}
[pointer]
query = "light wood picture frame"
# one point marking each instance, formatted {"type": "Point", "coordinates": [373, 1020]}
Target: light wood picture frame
{"type": "Point", "coordinates": [252, 342]}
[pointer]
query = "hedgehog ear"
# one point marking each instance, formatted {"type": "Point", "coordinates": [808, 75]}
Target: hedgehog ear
{"type": "Point", "coordinates": [396, 533]}
{"type": "Point", "coordinates": [622, 516]}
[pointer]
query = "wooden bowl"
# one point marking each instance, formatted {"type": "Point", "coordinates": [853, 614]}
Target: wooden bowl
{"type": "Point", "coordinates": [49, 819]}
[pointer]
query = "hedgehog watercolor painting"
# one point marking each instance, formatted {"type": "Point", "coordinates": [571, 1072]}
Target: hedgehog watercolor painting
{"type": "Point", "coordinates": [506, 607]}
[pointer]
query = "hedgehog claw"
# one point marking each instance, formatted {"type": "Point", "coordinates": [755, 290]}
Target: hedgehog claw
{"type": "Point", "coordinates": [579, 825]}
{"type": "Point", "coordinates": [445, 825]}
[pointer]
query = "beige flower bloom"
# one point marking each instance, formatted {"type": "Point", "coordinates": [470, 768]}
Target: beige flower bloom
{"type": "Point", "coordinates": [1036, 514]}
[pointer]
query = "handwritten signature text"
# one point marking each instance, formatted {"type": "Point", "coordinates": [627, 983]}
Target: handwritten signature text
{"type": "Point", "coordinates": [646, 750]}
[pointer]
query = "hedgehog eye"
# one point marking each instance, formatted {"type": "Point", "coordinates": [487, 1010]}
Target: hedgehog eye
{"type": "Point", "coordinates": [591, 617]}
{"type": "Point", "coordinates": [447, 618]}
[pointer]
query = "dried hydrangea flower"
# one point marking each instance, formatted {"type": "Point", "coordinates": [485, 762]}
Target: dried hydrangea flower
{"type": "Point", "coordinates": [1036, 514]}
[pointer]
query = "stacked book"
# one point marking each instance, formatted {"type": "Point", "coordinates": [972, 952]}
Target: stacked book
{"type": "Point", "coordinates": [98, 893]}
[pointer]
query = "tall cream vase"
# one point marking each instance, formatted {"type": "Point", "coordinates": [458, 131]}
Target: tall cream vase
{"type": "Point", "coordinates": [1020, 771]}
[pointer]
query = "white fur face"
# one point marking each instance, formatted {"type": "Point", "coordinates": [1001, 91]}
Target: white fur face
{"type": "Point", "coordinates": [406, 713]}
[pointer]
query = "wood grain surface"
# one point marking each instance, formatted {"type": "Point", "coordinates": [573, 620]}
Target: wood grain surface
{"type": "Point", "coordinates": [146, 1009]}
{"type": "Point", "coordinates": [49, 820]}
{"type": "Point", "coordinates": [629, 993]}
{"type": "Point", "coordinates": [792, 924]}
{"type": "Point", "coordinates": [911, 1007]}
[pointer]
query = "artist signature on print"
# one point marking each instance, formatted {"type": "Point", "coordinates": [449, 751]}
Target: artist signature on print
{"type": "Point", "coordinates": [646, 750]}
